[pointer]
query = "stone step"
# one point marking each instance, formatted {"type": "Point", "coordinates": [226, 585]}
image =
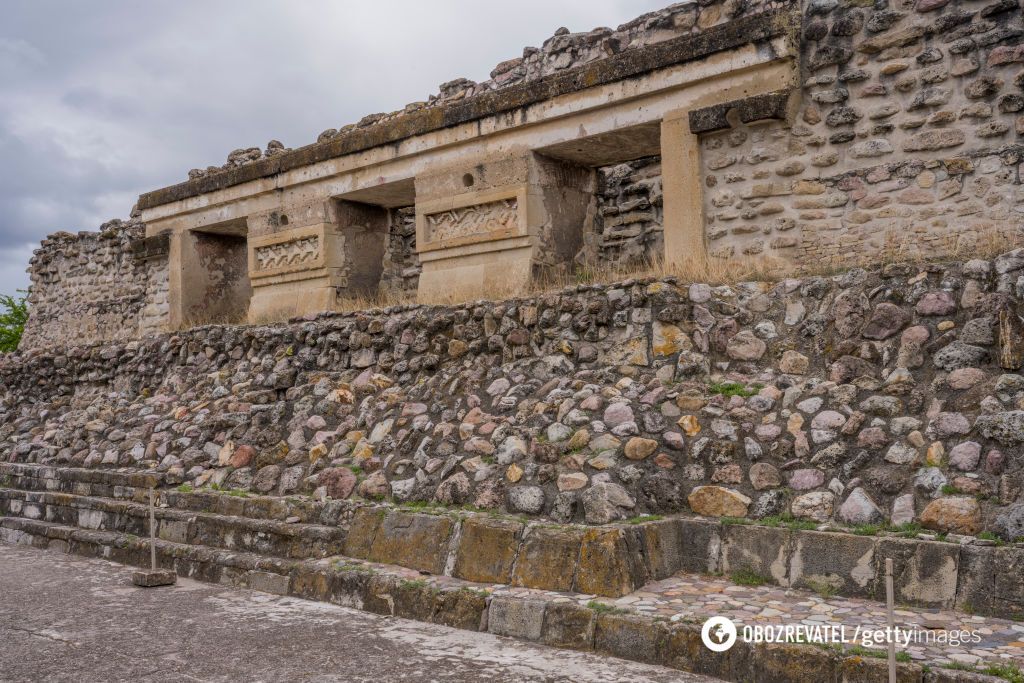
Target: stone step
{"type": "Point", "coordinates": [134, 486]}
{"type": "Point", "coordinates": [234, 533]}
{"type": "Point", "coordinates": [613, 560]}
{"type": "Point", "coordinates": [627, 628]}
{"type": "Point", "coordinates": [77, 480]}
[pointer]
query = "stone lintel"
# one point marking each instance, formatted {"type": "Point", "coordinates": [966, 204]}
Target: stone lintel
{"type": "Point", "coordinates": [772, 105]}
{"type": "Point", "coordinates": [152, 248]}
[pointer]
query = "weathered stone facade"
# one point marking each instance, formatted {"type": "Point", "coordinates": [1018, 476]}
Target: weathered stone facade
{"type": "Point", "coordinates": [905, 145]}
{"type": "Point", "coordinates": [810, 136]}
{"type": "Point", "coordinates": [886, 396]}
{"type": "Point", "coordinates": [110, 285]}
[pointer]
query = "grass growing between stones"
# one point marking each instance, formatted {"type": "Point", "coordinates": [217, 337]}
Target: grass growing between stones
{"type": "Point", "coordinates": [342, 566]}
{"type": "Point", "coordinates": [824, 590]}
{"type": "Point", "coordinates": [874, 653]}
{"type": "Point", "coordinates": [185, 488]}
{"type": "Point", "coordinates": [1008, 672]}
{"type": "Point", "coordinates": [748, 577]}
{"type": "Point", "coordinates": [602, 608]}
{"type": "Point", "coordinates": [989, 536]}
{"type": "Point", "coordinates": [787, 520]}
{"type": "Point", "coordinates": [729, 389]}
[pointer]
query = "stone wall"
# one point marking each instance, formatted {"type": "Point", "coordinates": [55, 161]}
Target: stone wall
{"type": "Point", "coordinates": [628, 225]}
{"type": "Point", "coordinates": [890, 396]}
{"type": "Point", "coordinates": [91, 287]}
{"type": "Point", "coordinates": [401, 264]}
{"type": "Point", "coordinates": [905, 144]}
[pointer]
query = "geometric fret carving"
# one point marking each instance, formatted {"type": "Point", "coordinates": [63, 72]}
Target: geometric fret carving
{"type": "Point", "coordinates": [296, 252]}
{"type": "Point", "coordinates": [469, 221]}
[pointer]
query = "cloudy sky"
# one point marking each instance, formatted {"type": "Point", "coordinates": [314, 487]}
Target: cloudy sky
{"type": "Point", "coordinates": [103, 100]}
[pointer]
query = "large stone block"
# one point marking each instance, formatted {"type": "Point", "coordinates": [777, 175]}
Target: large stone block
{"type": "Point", "coordinates": [409, 540]}
{"type": "Point", "coordinates": [925, 573]}
{"type": "Point", "coordinates": [784, 663]}
{"type": "Point", "coordinates": [547, 558]}
{"type": "Point", "coordinates": [516, 617]}
{"type": "Point", "coordinates": [843, 562]}
{"type": "Point", "coordinates": [462, 609]}
{"type": "Point", "coordinates": [414, 541]}
{"type": "Point", "coordinates": [610, 562]}
{"type": "Point", "coordinates": [630, 637]}
{"type": "Point", "coordinates": [763, 550]}
{"type": "Point", "coordinates": [702, 545]}
{"type": "Point", "coordinates": [665, 545]}
{"type": "Point", "coordinates": [567, 624]}
{"type": "Point", "coordinates": [487, 550]}
{"type": "Point", "coordinates": [991, 581]}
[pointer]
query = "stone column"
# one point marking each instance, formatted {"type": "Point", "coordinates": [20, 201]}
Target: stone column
{"type": "Point", "coordinates": [683, 195]}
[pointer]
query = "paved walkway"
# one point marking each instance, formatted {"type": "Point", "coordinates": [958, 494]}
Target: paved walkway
{"type": "Point", "coordinates": [65, 618]}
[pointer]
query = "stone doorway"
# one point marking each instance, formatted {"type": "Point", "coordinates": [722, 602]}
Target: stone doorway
{"type": "Point", "coordinates": [215, 287]}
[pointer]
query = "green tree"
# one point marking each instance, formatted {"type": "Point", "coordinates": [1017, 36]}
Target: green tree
{"type": "Point", "coordinates": [13, 314]}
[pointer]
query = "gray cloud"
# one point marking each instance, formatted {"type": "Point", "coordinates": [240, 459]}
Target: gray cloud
{"type": "Point", "coordinates": [100, 102]}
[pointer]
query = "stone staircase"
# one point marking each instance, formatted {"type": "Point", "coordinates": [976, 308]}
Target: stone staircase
{"type": "Point", "coordinates": [414, 565]}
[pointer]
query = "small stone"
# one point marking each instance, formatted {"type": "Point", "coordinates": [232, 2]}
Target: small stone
{"type": "Point", "coordinates": [956, 514]}
{"type": "Point", "coordinates": [903, 509]}
{"type": "Point", "coordinates": [242, 456]}
{"type": "Point", "coordinates": [572, 481]}
{"type": "Point", "coordinates": [806, 479]}
{"type": "Point", "coordinates": [859, 508]}
{"type": "Point", "coordinates": [965, 378]}
{"type": "Point", "coordinates": [1010, 523]}
{"type": "Point", "coordinates": [638, 448]}
{"type": "Point", "coordinates": [764, 476]}
{"type": "Point", "coordinates": [965, 456]}
{"type": "Point", "coordinates": [716, 501]}
{"type": "Point", "coordinates": [689, 425]}
{"type": "Point", "coordinates": [617, 414]}
{"type": "Point", "coordinates": [605, 502]}
{"type": "Point", "coordinates": [901, 454]}
{"type": "Point", "coordinates": [936, 303]}
{"type": "Point", "coordinates": [817, 506]}
{"type": "Point", "coordinates": [794, 363]}
{"type": "Point", "coordinates": [339, 482]}
{"type": "Point", "coordinates": [745, 347]}
{"type": "Point", "coordinates": [945, 425]}
{"type": "Point", "coordinates": [528, 499]}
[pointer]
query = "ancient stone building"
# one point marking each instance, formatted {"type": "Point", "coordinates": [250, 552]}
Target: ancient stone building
{"type": "Point", "coordinates": [804, 136]}
{"type": "Point", "coordinates": [863, 404]}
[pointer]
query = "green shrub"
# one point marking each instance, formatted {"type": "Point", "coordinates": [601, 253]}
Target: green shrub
{"type": "Point", "coordinates": [13, 315]}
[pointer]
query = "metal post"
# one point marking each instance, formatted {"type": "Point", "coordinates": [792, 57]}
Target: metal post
{"type": "Point", "coordinates": [889, 600]}
{"type": "Point", "coordinates": [153, 532]}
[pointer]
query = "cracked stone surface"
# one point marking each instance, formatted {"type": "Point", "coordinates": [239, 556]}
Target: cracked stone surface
{"type": "Point", "coordinates": [65, 618]}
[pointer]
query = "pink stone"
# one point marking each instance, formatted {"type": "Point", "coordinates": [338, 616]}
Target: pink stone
{"type": "Point", "coordinates": [936, 303]}
{"type": "Point", "coordinates": [1004, 54]}
{"type": "Point", "coordinates": [802, 480]}
{"type": "Point", "coordinates": [918, 334]}
{"type": "Point", "coordinates": [965, 378]}
{"type": "Point", "coordinates": [930, 5]}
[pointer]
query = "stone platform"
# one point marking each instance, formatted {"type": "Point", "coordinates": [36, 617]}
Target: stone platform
{"type": "Point", "coordinates": [657, 622]}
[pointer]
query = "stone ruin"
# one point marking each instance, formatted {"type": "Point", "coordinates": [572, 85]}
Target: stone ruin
{"type": "Point", "coordinates": [806, 137]}
{"type": "Point", "coordinates": [867, 151]}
